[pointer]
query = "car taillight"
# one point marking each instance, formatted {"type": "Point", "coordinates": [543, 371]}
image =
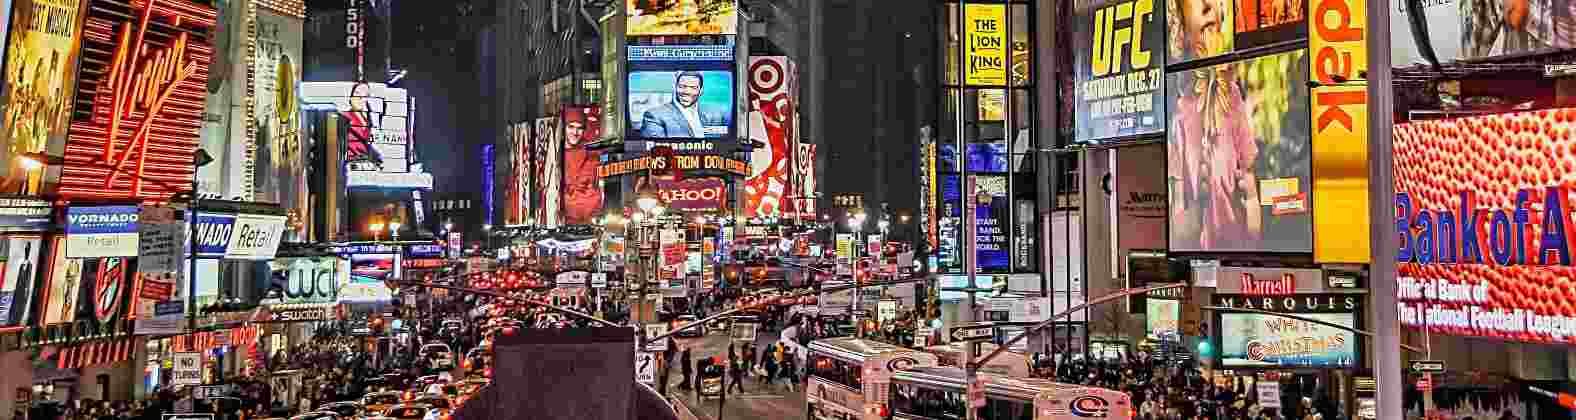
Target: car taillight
{"type": "Point", "coordinates": [884, 412]}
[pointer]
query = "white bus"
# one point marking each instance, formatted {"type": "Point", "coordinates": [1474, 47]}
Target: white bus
{"type": "Point", "coordinates": [938, 393]}
{"type": "Point", "coordinates": [849, 377]}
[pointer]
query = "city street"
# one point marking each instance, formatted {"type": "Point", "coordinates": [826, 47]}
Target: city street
{"type": "Point", "coordinates": [758, 401]}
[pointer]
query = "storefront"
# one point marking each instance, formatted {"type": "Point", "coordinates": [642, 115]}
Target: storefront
{"type": "Point", "coordinates": [1306, 360]}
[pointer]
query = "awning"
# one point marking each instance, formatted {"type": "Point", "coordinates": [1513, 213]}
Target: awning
{"type": "Point", "coordinates": [96, 353]}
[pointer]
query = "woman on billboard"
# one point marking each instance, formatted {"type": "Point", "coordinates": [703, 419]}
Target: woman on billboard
{"type": "Point", "coordinates": [359, 119]}
{"type": "Point", "coordinates": [582, 191]}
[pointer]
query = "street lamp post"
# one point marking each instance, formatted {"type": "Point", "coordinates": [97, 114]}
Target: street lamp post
{"type": "Point", "coordinates": [377, 231]}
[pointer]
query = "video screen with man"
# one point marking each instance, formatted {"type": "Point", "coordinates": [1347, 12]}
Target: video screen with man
{"type": "Point", "coordinates": [681, 92]}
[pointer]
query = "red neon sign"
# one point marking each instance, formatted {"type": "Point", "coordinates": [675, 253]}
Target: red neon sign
{"type": "Point", "coordinates": [146, 77]}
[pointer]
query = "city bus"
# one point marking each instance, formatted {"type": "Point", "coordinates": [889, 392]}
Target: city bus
{"type": "Point", "coordinates": [849, 377]}
{"type": "Point", "coordinates": [938, 393]}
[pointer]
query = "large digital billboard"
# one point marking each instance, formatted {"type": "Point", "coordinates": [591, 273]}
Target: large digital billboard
{"type": "Point", "coordinates": [804, 167]}
{"type": "Point", "coordinates": [279, 156]}
{"type": "Point", "coordinates": [1119, 69]}
{"type": "Point", "coordinates": [1198, 29]}
{"type": "Point", "coordinates": [1238, 156]}
{"type": "Point", "coordinates": [519, 178]}
{"type": "Point", "coordinates": [681, 17]}
{"type": "Point", "coordinates": [681, 91]}
{"type": "Point", "coordinates": [582, 125]}
{"type": "Point", "coordinates": [23, 259]}
{"type": "Point", "coordinates": [1480, 29]}
{"type": "Point", "coordinates": [40, 83]}
{"type": "Point", "coordinates": [774, 120]}
{"type": "Point", "coordinates": [1483, 207]}
{"type": "Point", "coordinates": [1252, 340]}
{"type": "Point", "coordinates": [377, 132]}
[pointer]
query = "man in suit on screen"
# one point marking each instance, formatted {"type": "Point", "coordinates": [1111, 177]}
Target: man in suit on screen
{"type": "Point", "coordinates": [682, 118]}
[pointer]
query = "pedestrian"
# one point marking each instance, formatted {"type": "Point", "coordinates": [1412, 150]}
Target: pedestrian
{"type": "Point", "coordinates": [771, 368]}
{"type": "Point", "coordinates": [684, 368]}
{"type": "Point", "coordinates": [790, 373]}
{"type": "Point", "coordinates": [736, 373]}
{"type": "Point", "coordinates": [749, 358]}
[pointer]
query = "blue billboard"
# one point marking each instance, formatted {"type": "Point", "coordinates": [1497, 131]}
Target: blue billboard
{"type": "Point", "coordinates": [681, 91]}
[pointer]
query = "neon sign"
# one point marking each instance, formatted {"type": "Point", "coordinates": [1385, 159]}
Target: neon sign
{"type": "Point", "coordinates": [146, 85]}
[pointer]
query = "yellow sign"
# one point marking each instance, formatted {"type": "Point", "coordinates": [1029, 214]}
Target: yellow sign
{"type": "Point", "coordinates": [845, 245]}
{"type": "Point", "coordinates": [1336, 38]}
{"type": "Point", "coordinates": [986, 48]}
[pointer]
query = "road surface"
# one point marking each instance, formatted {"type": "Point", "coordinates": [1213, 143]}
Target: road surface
{"type": "Point", "coordinates": [759, 401]}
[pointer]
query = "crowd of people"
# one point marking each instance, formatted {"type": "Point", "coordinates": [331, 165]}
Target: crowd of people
{"type": "Point", "coordinates": [1170, 389]}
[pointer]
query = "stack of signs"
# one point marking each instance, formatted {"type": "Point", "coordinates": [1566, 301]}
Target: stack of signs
{"type": "Point", "coordinates": [159, 310]}
{"type": "Point", "coordinates": [101, 231]}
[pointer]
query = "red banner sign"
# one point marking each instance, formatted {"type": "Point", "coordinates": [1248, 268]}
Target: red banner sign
{"type": "Point", "coordinates": [693, 195]}
{"type": "Point", "coordinates": [146, 74]}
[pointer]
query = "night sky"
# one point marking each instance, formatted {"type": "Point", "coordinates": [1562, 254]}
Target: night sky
{"type": "Point", "coordinates": [435, 42]}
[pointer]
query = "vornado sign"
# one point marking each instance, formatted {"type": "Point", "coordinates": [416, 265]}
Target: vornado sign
{"type": "Point", "coordinates": [694, 195]}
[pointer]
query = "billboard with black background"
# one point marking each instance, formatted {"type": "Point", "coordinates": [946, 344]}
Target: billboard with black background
{"type": "Point", "coordinates": [1119, 68]}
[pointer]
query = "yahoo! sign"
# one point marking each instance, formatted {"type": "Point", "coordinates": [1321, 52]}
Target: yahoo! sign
{"type": "Point", "coordinates": [694, 195]}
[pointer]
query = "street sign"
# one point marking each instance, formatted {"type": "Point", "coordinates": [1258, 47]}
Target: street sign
{"type": "Point", "coordinates": [973, 332]}
{"type": "Point", "coordinates": [598, 280]}
{"type": "Point", "coordinates": [1428, 366]}
{"type": "Point", "coordinates": [188, 369]}
{"type": "Point", "coordinates": [210, 391]}
{"type": "Point", "coordinates": [652, 331]}
{"type": "Point", "coordinates": [646, 368]}
{"type": "Point", "coordinates": [1269, 394]}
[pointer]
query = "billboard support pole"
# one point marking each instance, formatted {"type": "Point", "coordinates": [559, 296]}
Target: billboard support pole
{"type": "Point", "coordinates": [1381, 198]}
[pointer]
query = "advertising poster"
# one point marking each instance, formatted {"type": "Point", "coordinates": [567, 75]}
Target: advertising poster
{"type": "Point", "coordinates": [774, 113]}
{"type": "Point", "coordinates": [694, 195]}
{"type": "Point", "coordinates": [65, 287]}
{"type": "Point", "coordinates": [1463, 271]}
{"type": "Point", "coordinates": [845, 246]}
{"type": "Point", "coordinates": [804, 165]}
{"type": "Point", "coordinates": [582, 189]}
{"type": "Point", "coordinates": [681, 91]}
{"type": "Point", "coordinates": [145, 139]}
{"type": "Point", "coordinates": [612, 76]}
{"type": "Point", "coordinates": [547, 172]}
{"type": "Point", "coordinates": [105, 285]}
{"type": "Point", "coordinates": [1140, 193]}
{"type": "Point", "coordinates": [695, 17]}
{"type": "Point", "coordinates": [1119, 69]}
{"type": "Point", "coordinates": [102, 231]}
{"type": "Point", "coordinates": [1238, 152]}
{"type": "Point", "coordinates": [991, 224]}
{"type": "Point", "coordinates": [303, 280]}
{"type": "Point", "coordinates": [673, 255]}
{"type": "Point", "coordinates": [226, 76]}
{"type": "Point", "coordinates": [280, 156]}
{"type": "Point", "coordinates": [23, 258]}
{"type": "Point", "coordinates": [1479, 29]}
{"type": "Point", "coordinates": [371, 268]}
{"type": "Point", "coordinates": [985, 31]}
{"type": "Point", "coordinates": [1214, 27]}
{"type": "Point", "coordinates": [520, 176]}
{"type": "Point", "coordinates": [1257, 340]}
{"type": "Point", "coordinates": [1161, 318]}
{"type": "Point", "coordinates": [1340, 134]}
{"type": "Point", "coordinates": [40, 81]}
{"type": "Point", "coordinates": [376, 120]}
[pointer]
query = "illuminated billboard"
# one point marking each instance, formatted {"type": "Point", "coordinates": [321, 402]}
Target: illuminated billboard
{"type": "Point", "coordinates": [279, 156]}
{"type": "Point", "coordinates": [1268, 341]}
{"type": "Point", "coordinates": [1119, 70]}
{"type": "Point", "coordinates": [40, 78]}
{"type": "Point", "coordinates": [774, 120]}
{"type": "Point", "coordinates": [675, 17]}
{"type": "Point", "coordinates": [546, 172]}
{"type": "Point", "coordinates": [804, 166]}
{"type": "Point", "coordinates": [693, 194]}
{"type": "Point", "coordinates": [519, 179]}
{"type": "Point", "coordinates": [582, 190]}
{"type": "Point", "coordinates": [1198, 29]}
{"type": "Point", "coordinates": [377, 132]}
{"type": "Point", "coordinates": [1238, 154]}
{"type": "Point", "coordinates": [680, 91]}
{"type": "Point", "coordinates": [130, 143]}
{"type": "Point", "coordinates": [1485, 245]}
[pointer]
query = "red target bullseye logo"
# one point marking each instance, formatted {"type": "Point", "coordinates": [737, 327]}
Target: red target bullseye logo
{"type": "Point", "coordinates": [766, 76]}
{"type": "Point", "coordinates": [1257, 350]}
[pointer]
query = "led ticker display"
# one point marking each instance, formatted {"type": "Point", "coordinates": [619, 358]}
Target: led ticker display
{"type": "Point", "coordinates": [1238, 150]}
{"type": "Point", "coordinates": [138, 137]}
{"type": "Point", "coordinates": [1487, 256]}
{"type": "Point", "coordinates": [680, 91]}
{"type": "Point", "coordinates": [684, 162]}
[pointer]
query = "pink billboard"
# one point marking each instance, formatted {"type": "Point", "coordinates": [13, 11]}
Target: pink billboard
{"type": "Point", "coordinates": [693, 195]}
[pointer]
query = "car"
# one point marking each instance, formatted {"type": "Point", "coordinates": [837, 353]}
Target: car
{"type": "Point", "coordinates": [378, 401]}
{"type": "Point", "coordinates": [683, 320]}
{"type": "Point", "coordinates": [318, 415]}
{"type": "Point", "coordinates": [407, 412]}
{"type": "Point", "coordinates": [342, 408]}
{"type": "Point", "coordinates": [438, 356]}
